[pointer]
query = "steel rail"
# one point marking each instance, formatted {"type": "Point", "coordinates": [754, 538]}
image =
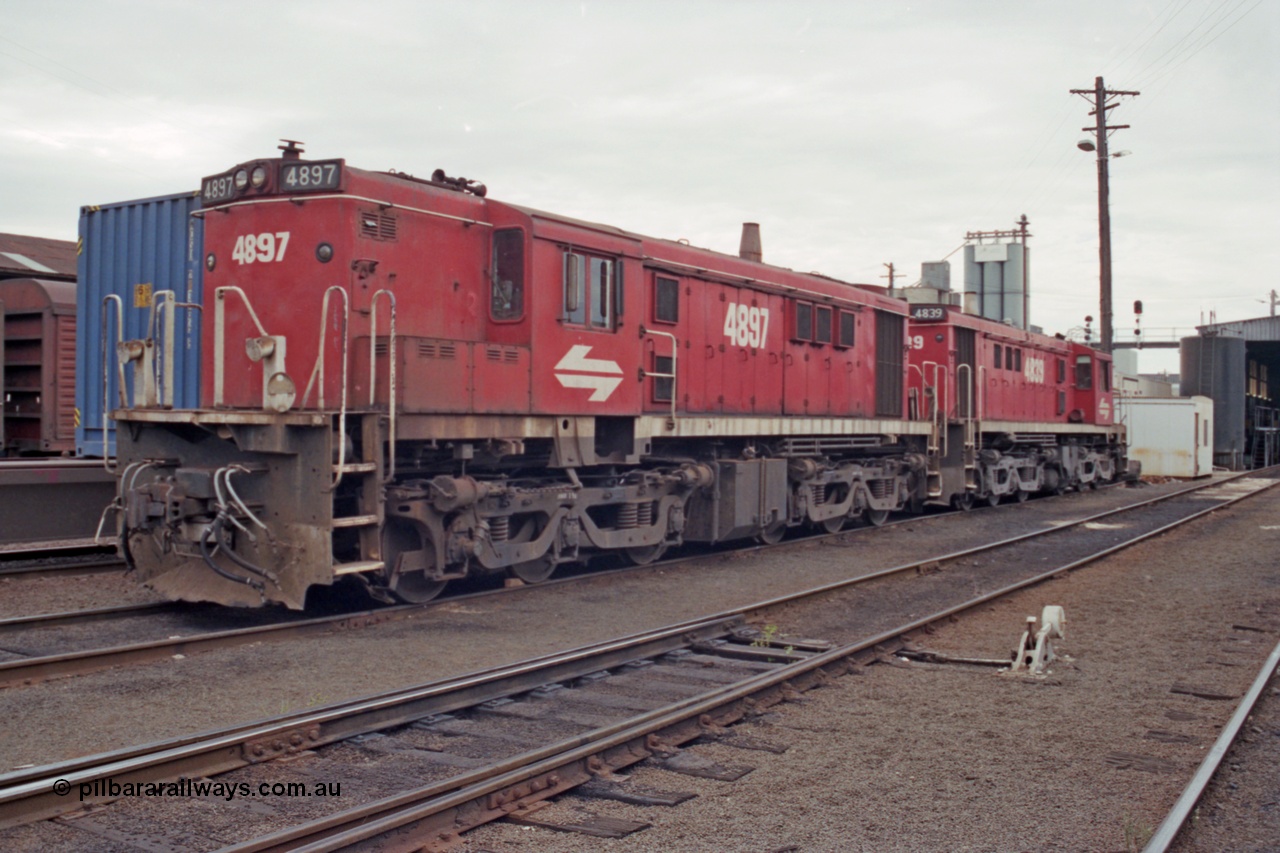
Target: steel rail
{"type": "Point", "coordinates": [1173, 822]}
{"type": "Point", "coordinates": [33, 670]}
{"type": "Point", "coordinates": [30, 794]}
{"type": "Point", "coordinates": [95, 614]}
{"type": "Point", "coordinates": [70, 548]}
{"type": "Point", "coordinates": [551, 770]}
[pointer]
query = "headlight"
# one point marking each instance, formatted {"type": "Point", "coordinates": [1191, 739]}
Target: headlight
{"type": "Point", "coordinates": [210, 262]}
{"type": "Point", "coordinates": [324, 253]}
{"type": "Point", "coordinates": [242, 179]}
{"type": "Point", "coordinates": [259, 176]}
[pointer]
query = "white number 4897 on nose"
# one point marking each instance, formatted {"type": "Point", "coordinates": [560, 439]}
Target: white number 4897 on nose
{"type": "Point", "coordinates": [265, 247]}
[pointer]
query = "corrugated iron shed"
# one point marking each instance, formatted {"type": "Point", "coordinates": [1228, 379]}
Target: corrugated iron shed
{"type": "Point", "coordinates": [1257, 329]}
{"type": "Point", "coordinates": [24, 257]}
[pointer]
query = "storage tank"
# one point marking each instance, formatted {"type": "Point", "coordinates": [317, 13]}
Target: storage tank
{"type": "Point", "coordinates": [1216, 367]}
{"type": "Point", "coordinates": [995, 281]}
{"type": "Point", "coordinates": [135, 250]}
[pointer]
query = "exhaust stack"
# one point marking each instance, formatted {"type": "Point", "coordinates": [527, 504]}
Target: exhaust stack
{"type": "Point", "coordinates": [749, 248]}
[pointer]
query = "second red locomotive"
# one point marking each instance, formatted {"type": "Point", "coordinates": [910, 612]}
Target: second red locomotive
{"type": "Point", "coordinates": [407, 382]}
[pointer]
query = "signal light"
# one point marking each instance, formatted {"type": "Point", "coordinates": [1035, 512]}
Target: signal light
{"type": "Point", "coordinates": [241, 179]}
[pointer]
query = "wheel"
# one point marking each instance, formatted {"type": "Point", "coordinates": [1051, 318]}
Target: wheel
{"type": "Point", "coordinates": [834, 525]}
{"type": "Point", "coordinates": [773, 534]}
{"type": "Point", "coordinates": [643, 555]}
{"type": "Point", "coordinates": [993, 500]}
{"type": "Point", "coordinates": [398, 541]}
{"type": "Point", "coordinates": [963, 502]}
{"type": "Point", "coordinates": [534, 571]}
{"type": "Point", "coordinates": [877, 517]}
{"type": "Point", "coordinates": [1021, 496]}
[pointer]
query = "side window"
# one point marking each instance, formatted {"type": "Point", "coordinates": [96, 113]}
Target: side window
{"type": "Point", "coordinates": [1062, 371]}
{"type": "Point", "coordinates": [804, 322]}
{"type": "Point", "coordinates": [822, 324]}
{"type": "Point", "coordinates": [847, 323]}
{"type": "Point", "coordinates": [590, 291]}
{"type": "Point", "coordinates": [507, 288]}
{"type": "Point", "coordinates": [1084, 372]}
{"type": "Point", "coordinates": [1017, 361]}
{"type": "Point", "coordinates": [1106, 375]}
{"type": "Point", "coordinates": [575, 302]}
{"type": "Point", "coordinates": [601, 293]}
{"type": "Point", "coordinates": [1062, 402]}
{"type": "Point", "coordinates": [999, 351]}
{"type": "Point", "coordinates": [666, 300]}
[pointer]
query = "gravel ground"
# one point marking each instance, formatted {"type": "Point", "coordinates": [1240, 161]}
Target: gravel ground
{"type": "Point", "coordinates": [102, 711]}
{"type": "Point", "coordinates": [925, 757]}
{"type": "Point", "coordinates": [32, 596]}
{"type": "Point", "coordinates": [903, 757]}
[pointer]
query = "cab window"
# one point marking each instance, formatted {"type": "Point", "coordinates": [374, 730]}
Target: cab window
{"type": "Point", "coordinates": [1084, 372]}
{"type": "Point", "coordinates": [507, 286]}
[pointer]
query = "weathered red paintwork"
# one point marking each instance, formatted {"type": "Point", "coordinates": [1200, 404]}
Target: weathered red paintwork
{"type": "Point", "coordinates": [455, 357]}
{"type": "Point", "coordinates": [1042, 388]}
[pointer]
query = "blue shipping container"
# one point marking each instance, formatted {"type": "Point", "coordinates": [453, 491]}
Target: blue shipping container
{"type": "Point", "coordinates": [135, 250]}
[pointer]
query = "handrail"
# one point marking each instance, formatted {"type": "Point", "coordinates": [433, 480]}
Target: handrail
{"type": "Point", "coordinates": [675, 350]}
{"type": "Point", "coordinates": [317, 372]}
{"type": "Point", "coordinates": [219, 336]}
{"type": "Point", "coordinates": [969, 419]}
{"type": "Point", "coordinates": [163, 367]}
{"type": "Point", "coordinates": [920, 370]}
{"type": "Point", "coordinates": [391, 372]}
{"type": "Point", "coordinates": [106, 372]}
{"type": "Point", "coordinates": [937, 414]}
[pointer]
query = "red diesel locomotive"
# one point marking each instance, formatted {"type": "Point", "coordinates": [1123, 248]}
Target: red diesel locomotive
{"type": "Point", "coordinates": [1013, 412]}
{"type": "Point", "coordinates": [406, 382]}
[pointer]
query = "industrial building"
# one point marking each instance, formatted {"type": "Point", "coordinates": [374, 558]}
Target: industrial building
{"type": "Point", "coordinates": [1237, 365]}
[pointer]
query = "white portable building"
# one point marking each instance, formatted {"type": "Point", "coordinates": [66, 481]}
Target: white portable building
{"type": "Point", "coordinates": [1170, 436]}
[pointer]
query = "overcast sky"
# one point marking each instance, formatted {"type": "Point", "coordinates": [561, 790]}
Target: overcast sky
{"type": "Point", "coordinates": [857, 133]}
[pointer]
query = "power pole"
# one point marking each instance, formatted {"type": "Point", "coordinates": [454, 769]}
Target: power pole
{"type": "Point", "coordinates": [1102, 100]}
{"type": "Point", "coordinates": [890, 276]}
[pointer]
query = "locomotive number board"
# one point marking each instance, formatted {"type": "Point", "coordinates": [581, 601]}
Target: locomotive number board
{"type": "Point", "coordinates": [309, 177]}
{"type": "Point", "coordinates": [218, 188]}
{"type": "Point", "coordinates": [928, 312]}
{"type": "Point", "coordinates": [295, 176]}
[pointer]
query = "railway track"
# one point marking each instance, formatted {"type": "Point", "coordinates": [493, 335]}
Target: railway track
{"type": "Point", "coordinates": [471, 789]}
{"type": "Point", "coordinates": [33, 666]}
{"type": "Point", "coordinates": [71, 561]}
{"type": "Point", "coordinates": [1167, 832]}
